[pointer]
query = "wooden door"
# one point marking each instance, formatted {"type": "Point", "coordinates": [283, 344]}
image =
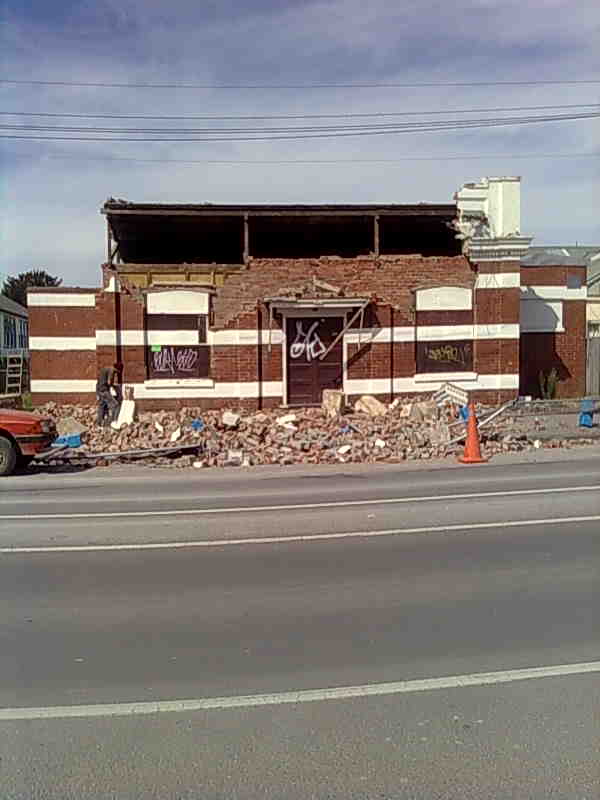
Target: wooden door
{"type": "Point", "coordinates": [308, 338]}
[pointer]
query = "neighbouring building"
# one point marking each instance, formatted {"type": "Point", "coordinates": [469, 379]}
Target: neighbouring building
{"type": "Point", "coordinates": [14, 345]}
{"type": "Point", "coordinates": [562, 329]}
{"type": "Point", "coordinates": [265, 305]}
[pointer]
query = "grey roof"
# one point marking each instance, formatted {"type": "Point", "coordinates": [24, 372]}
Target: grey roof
{"type": "Point", "coordinates": [561, 256]}
{"type": "Point", "coordinates": [9, 306]}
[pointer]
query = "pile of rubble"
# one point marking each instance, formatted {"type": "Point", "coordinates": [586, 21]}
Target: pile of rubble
{"type": "Point", "coordinates": [369, 432]}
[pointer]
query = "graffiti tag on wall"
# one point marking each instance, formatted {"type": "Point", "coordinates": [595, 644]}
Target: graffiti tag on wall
{"type": "Point", "coordinates": [173, 360]}
{"type": "Point", "coordinates": [444, 356]}
{"type": "Point", "coordinates": [307, 343]}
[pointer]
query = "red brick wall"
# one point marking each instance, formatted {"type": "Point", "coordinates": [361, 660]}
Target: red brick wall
{"type": "Point", "coordinates": [566, 352]}
{"type": "Point", "coordinates": [390, 279]}
{"type": "Point", "coordinates": [62, 321]}
{"type": "Point", "coordinates": [68, 364]}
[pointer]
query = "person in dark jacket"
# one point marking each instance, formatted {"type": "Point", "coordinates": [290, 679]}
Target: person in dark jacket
{"type": "Point", "coordinates": [108, 393]}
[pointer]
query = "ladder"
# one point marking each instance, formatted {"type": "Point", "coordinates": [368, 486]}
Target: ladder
{"type": "Point", "coordinates": [14, 374]}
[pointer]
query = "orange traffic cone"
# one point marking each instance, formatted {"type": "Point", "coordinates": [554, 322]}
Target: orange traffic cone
{"type": "Point", "coordinates": [472, 454]}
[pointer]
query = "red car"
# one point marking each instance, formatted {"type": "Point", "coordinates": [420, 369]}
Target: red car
{"type": "Point", "coordinates": [22, 436]}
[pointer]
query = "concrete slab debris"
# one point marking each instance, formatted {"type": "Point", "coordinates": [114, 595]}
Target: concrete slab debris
{"type": "Point", "coordinates": [367, 404]}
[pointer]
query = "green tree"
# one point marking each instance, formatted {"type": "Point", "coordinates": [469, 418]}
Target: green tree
{"type": "Point", "coordinates": [16, 288]}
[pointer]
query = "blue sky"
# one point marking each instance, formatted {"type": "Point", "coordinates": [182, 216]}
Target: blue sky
{"type": "Point", "coordinates": [51, 191]}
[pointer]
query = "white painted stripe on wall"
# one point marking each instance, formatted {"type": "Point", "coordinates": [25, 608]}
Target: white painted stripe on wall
{"type": "Point", "coordinates": [63, 386]}
{"type": "Point", "coordinates": [232, 390]}
{"type": "Point", "coordinates": [142, 391]}
{"type": "Point", "coordinates": [433, 333]}
{"type": "Point", "coordinates": [553, 293]}
{"type": "Point", "coordinates": [498, 280]}
{"type": "Point", "coordinates": [127, 337]}
{"type": "Point", "coordinates": [379, 335]}
{"type": "Point", "coordinates": [151, 390]}
{"type": "Point", "coordinates": [62, 342]}
{"type": "Point", "coordinates": [421, 384]}
{"type": "Point", "coordinates": [499, 331]}
{"type": "Point", "coordinates": [227, 337]}
{"type": "Point", "coordinates": [244, 337]}
{"type": "Point", "coordinates": [65, 300]}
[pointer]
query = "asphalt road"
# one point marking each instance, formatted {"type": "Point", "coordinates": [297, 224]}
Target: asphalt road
{"type": "Point", "coordinates": [500, 584]}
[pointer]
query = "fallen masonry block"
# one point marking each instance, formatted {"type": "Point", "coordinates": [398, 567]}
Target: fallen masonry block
{"type": "Point", "coordinates": [230, 419]}
{"type": "Point", "coordinates": [345, 448]}
{"type": "Point", "coordinates": [286, 419]}
{"type": "Point", "coordinates": [69, 426]}
{"type": "Point", "coordinates": [406, 410]}
{"type": "Point", "coordinates": [367, 404]}
{"type": "Point", "coordinates": [332, 402]}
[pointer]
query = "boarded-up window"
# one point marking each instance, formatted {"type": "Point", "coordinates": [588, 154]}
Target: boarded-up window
{"type": "Point", "coordinates": [176, 335]}
{"type": "Point", "coordinates": [444, 356]}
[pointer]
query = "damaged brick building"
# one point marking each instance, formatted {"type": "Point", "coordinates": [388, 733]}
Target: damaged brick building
{"type": "Point", "coordinates": [260, 306]}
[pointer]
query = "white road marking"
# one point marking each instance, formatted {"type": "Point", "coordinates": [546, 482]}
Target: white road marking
{"type": "Point", "coordinates": [294, 506]}
{"type": "Point", "coordinates": [300, 696]}
{"type": "Point", "coordinates": [313, 537]}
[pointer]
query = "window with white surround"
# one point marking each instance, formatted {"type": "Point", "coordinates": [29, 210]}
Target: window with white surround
{"type": "Point", "coordinates": [541, 316]}
{"type": "Point", "coordinates": [444, 332]}
{"type": "Point", "coordinates": [176, 335]}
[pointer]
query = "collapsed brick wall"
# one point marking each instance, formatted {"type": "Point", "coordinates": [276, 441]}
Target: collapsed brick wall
{"type": "Point", "coordinates": [390, 279]}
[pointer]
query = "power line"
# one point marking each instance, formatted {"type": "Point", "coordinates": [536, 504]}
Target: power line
{"type": "Point", "coordinates": [207, 117]}
{"type": "Point", "coordinates": [299, 86]}
{"type": "Point", "coordinates": [273, 134]}
{"type": "Point", "coordinates": [297, 129]}
{"type": "Point", "coordinates": [306, 161]}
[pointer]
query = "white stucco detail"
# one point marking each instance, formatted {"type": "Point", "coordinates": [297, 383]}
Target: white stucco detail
{"type": "Point", "coordinates": [177, 301]}
{"type": "Point", "coordinates": [497, 200]}
{"type": "Point", "coordinates": [58, 299]}
{"type": "Point", "coordinates": [498, 280]}
{"type": "Point", "coordinates": [444, 298]}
